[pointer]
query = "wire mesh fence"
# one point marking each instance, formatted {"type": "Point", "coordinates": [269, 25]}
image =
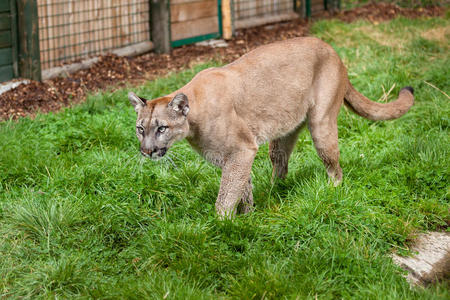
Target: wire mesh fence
{"type": "Point", "coordinates": [247, 9]}
{"type": "Point", "coordinates": [70, 30]}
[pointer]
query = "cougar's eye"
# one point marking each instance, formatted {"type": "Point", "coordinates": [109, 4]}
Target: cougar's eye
{"type": "Point", "coordinates": [140, 129]}
{"type": "Point", "coordinates": [162, 129]}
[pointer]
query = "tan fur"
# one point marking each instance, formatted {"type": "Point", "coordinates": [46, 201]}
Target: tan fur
{"type": "Point", "coordinates": [265, 96]}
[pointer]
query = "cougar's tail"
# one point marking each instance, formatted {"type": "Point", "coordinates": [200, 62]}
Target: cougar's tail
{"type": "Point", "coordinates": [379, 111]}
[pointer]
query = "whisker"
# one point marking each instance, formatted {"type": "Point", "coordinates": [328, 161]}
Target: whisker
{"type": "Point", "coordinates": [175, 155]}
{"type": "Point", "coordinates": [132, 160]}
{"type": "Point", "coordinates": [169, 159]}
{"type": "Point", "coordinates": [141, 162]}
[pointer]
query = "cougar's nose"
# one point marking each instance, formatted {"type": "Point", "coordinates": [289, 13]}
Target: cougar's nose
{"type": "Point", "coordinates": [146, 152]}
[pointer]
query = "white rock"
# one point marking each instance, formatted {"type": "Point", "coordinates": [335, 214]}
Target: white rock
{"type": "Point", "coordinates": [9, 85]}
{"type": "Point", "coordinates": [432, 260]}
{"type": "Point", "coordinates": [213, 43]}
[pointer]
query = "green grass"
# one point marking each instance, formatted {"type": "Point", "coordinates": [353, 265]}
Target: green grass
{"type": "Point", "coordinates": [82, 214]}
{"type": "Point", "coordinates": [349, 4]}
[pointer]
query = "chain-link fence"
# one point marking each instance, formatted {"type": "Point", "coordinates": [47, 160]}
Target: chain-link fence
{"type": "Point", "coordinates": [74, 29]}
{"type": "Point", "coordinates": [246, 9]}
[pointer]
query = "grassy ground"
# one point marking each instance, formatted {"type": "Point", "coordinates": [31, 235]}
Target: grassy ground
{"type": "Point", "coordinates": [349, 4]}
{"type": "Point", "coordinates": [83, 215]}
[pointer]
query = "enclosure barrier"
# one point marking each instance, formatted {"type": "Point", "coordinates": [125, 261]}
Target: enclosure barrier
{"type": "Point", "coordinates": [193, 21]}
{"type": "Point", "coordinates": [74, 29]}
{"type": "Point", "coordinates": [45, 35]}
{"type": "Point", "coordinates": [250, 13]}
{"type": "Point", "coordinates": [8, 63]}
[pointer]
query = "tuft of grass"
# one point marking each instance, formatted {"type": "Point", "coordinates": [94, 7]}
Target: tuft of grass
{"type": "Point", "coordinates": [83, 215]}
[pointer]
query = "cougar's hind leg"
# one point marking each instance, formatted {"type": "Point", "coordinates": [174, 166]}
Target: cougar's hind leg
{"type": "Point", "coordinates": [330, 88]}
{"type": "Point", "coordinates": [324, 132]}
{"type": "Point", "coordinates": [280, 150]}
{"type": "Point", "coordinates": [326, 143]}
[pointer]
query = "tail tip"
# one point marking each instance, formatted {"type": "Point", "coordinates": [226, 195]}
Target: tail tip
{"type": "Point", "coordinates": [409, 89]}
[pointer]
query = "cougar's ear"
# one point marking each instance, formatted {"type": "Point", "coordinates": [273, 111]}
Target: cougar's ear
{"type": "Point", "coordinates": [136, 101]}
{"type": "Point", "coordinates": [180, 104]}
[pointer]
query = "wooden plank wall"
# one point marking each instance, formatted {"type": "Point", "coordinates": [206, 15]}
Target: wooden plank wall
{"type": "Point", "coordinates": [245, 9]}
{"type": "Point", "coordinates": [6, 42]}
{"type": "Point", "coordinates": [317, 6]}
{"type": "Point", "coordinates": [75, 29]}
{"type": "Point", "coordinates": [191, 18]}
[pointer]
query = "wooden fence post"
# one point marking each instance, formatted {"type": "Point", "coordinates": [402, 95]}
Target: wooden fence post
{"type": "Point", "coordinates": [227, 27]}
{"type": "Point", "coordinates": [160, 25]}
{"type": "Point", "coordinates": [28, 30]}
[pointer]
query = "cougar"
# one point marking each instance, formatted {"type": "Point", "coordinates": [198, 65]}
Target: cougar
{"type": "Point", "coordinates": [267, 95]}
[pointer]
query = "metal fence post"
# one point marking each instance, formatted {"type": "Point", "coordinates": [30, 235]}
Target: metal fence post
{"type": "Point", "coordinates": [28, 30]}
{"type": "Point", "coordinates": [160, 25]}
{"type": "Point", "coordinates": [308, 8]}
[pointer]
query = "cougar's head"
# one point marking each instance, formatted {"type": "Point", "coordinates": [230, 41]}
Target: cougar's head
{"type": "Point", "coordinates": [160, 123]}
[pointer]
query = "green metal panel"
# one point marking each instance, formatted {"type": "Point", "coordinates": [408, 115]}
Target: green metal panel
{"type": "Point", "coordinates": [14, 43]}
{"type": "Point", "coordinates": [5, 21]}
{"type": "Point", "coordinates": [308, 8]}
{"type": "Point", "coordinates": [4, 5]}
{"type": "Point", "coordinates": [6, 73]}
{"type": "Point", "coordinates": [195, 39]}
{"type": "Point", "coordinates": [204, 37]}
{"type": "Point", "coordinates": [6, 56]}
{"type": "Point", "coordinates": [8, 45]}
{"type": "Point", "coordinates": [5, 39]}
{"type": "Point", "coordinates": [219, 15]}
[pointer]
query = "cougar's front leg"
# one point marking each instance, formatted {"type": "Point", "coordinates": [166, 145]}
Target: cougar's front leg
{"type": "Point", "coordinates": [235, 175]}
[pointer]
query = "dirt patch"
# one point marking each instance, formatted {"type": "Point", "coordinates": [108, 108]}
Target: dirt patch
{"type": "Point", "coordinates": [439, 34]}
{"type": "Point", "coordinates": [114, 71]}
{"type": "Point", "coordinates": [382, 38]}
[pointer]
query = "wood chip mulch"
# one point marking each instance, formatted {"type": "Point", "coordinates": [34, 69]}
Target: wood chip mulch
{"type": "Point", "coordinates": [114, 72]}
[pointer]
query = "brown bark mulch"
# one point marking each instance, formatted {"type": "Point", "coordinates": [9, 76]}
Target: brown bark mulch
{"type": "Point", "coordinates": [113, 71]}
